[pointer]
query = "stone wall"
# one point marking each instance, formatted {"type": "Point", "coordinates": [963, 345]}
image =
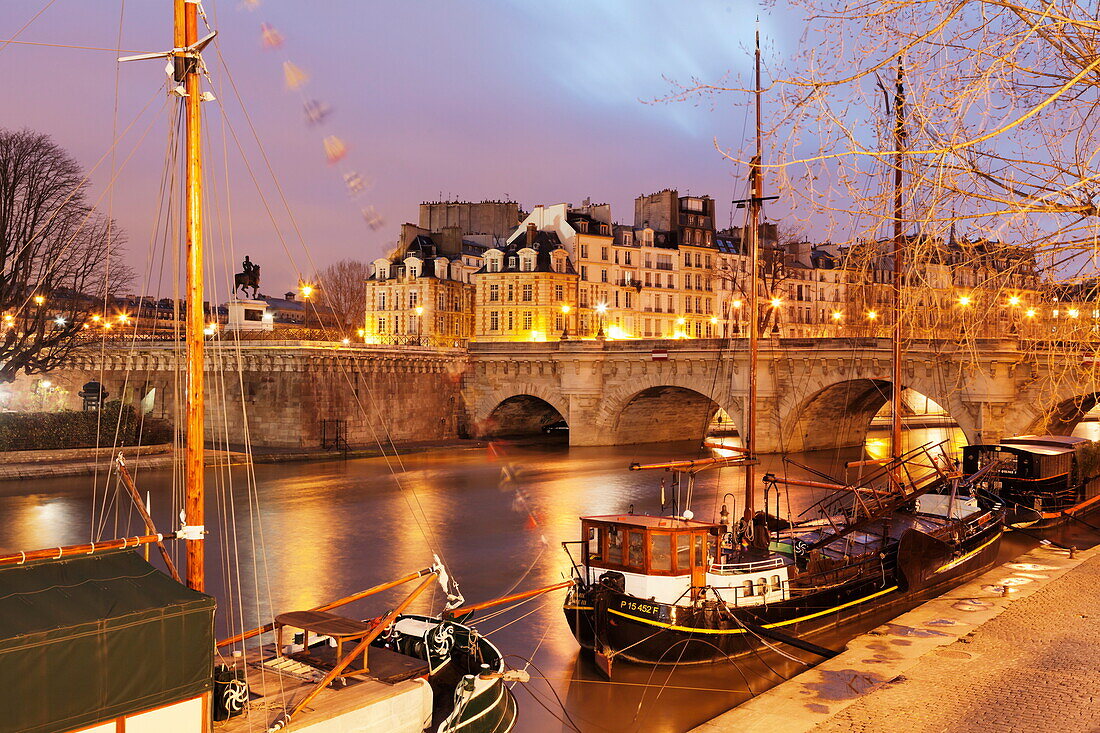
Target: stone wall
{"type": "Point", "coordinates": [278, 395]}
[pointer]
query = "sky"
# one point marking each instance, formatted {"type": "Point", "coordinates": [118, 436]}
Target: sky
{"type": "Point", "coordinates": [539, 102]}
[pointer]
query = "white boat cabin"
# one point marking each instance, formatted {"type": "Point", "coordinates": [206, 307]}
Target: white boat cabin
{"type": "Point", "coordinates": [671, 560]}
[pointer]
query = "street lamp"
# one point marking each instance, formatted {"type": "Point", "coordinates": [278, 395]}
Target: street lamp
{"type": "Point", "coordinates": [419, 323]}
{"type": "Point", "coordinates": [601, 309]}
{"type": "Point", "coordinates": [39, 299]}
{"type": "Point", "coordinates": [565, 321]}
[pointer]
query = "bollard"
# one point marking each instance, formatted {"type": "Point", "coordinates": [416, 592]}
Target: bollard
{"type": "Point", "coordinates": [1072, 551]}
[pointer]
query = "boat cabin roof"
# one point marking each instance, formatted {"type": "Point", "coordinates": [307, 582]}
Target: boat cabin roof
{"type": "Point", "coordinates": [1054, 441]}
{"type": "Point", "coordinates": [646, 521]}
{"type": "Point", "coordinates": [1038, 449]}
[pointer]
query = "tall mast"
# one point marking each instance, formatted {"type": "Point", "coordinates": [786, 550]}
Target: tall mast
{"type": "Point", "coordinates": [755, 201]}
{"type": "Point", "coordinates": [187, 73]}
{"type": "Point", "coordinates": [899, 264]}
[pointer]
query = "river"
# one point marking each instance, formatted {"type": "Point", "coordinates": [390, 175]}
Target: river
{"type": "Point", "coordinates": [323, 530]}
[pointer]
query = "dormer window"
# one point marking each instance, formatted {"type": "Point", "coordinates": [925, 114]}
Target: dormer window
{"type": "Point", "coordinates": [582, 226]}
{"type": "Point", "coordinates": [647, 237]}
{"type": "Point", "coordinates": [511, 262]}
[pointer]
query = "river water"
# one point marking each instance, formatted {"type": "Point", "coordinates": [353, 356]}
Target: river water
{"type": "Point", "coordinates": [307, 533]}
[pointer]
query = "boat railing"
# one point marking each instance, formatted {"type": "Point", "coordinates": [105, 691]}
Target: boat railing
{"type": "Point", "coordinates": [772, 593]}
{"type": "Point", "coordinates": [736, 568]}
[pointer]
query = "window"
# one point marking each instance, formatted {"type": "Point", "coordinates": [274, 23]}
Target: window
{"type": "Point", "coordinates": [635, 550]}
{"type": "Point", "coordinates": [626, 258]}
{"type": "Point", "coordinates": [660, 552]}
{"type": "Point", "coordinates": [584, 251]}
{"type": "Point", "coordinates": [584, 272]}
{"type": "Point", "coordinates": [708, 262]}
{"type": "Point", "coordinates": [615, 545]}
{"type": "Point", "coordinates": [683, 549]}
{"type": "Point", "coordinates": [559, 293]}
{"type": "Point", "coordinates": [582, 226]}
{"type": "Point", "coordinates": [494, 292]}
{"type": "Point", "coordinates": [413, 297]}
{"type": "Point", "coordinates": [528, 293]}
{"type": "Point", "coordinates": [616, 298]}
{"type": "Point", "coordinates": [603, 276]}
{"type": "Point", "coordinates": [527, 264]}
{"type": "Point", "coordinates": [441, 301]}
{"type": "Point", "coordinates": [381, 324]}
{"type": "Point", "coordinates": [381, 301]}
{"type": "Point", "coordinates": [603, 253]}
{"type": "Point", "coordinates": [511, 322]}
{"type": "Point", "coordinates": [494, 320]}
{"type": "Point", "coordinates": [527, 320]}
{"type": "Point", "coordinates": [595, 544]}
{"type": "Point", "coordinates": [511, 292]}
{"type": "Point", "coordinates": [627, 294]}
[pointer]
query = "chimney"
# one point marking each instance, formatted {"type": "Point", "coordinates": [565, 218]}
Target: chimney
{"type": "Point", "coordinates": [532, 230]}
{"type": "Point", "coordinates": [289, 296]}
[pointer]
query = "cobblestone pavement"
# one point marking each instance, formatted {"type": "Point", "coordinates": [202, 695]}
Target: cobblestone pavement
{"type": "Point", "coordinates": [1035, 667]}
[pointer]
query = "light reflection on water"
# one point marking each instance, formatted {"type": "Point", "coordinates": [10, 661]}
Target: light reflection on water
{"type": "Point", "coordinates": [332, 528]}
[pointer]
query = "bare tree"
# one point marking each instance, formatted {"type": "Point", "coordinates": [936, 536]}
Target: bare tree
{"type": "Point", "coordinates": [58, 255]}
{"type": "Point", "coordinates": [343, 289]}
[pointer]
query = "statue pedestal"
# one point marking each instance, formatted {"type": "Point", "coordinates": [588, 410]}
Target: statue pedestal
{"type": "Point", "coordinates": [249, 315]}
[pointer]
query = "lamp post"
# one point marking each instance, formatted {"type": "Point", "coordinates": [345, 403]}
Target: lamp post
{"type": "Point", "coordinates": [565, 321]}
{"type": "Point", "coordinates": [419, 324]}
{"type": "Point", "coordinates": [601, 310]}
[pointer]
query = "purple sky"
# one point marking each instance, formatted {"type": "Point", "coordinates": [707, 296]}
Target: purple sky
{"type": "Point", "coordinates": [535, 101]}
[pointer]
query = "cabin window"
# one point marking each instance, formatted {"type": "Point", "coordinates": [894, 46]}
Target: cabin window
{"type": "Point", "coordinates": [683, 552]}
{"type": "Point", "coordinates": [700, 550]}
{"type": "Point", "coordinates": [615, 546]}
{"type": "Point", "coordinates": [636, 550]}
{"type": "Point", "coordinates": [660, 552]}
{"type": "Point", "coordinates": [762, 587]}
{"type": "Point", "coordinates": [775, 583]}
{"type": "Point", "coordinates": [746, 589]}
{"type": "Point", "coordinates": [595, 544]}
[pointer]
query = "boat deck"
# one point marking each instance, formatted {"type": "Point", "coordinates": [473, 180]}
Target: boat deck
{"type": "Point", "coordinates": [394, 696]}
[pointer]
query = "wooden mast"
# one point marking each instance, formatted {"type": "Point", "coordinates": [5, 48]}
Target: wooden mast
{"type": "Point", "coordinates": [755, 201]}
{"type": "Point", "coordinates": [187, 74]}
{"type": "Point", "coordinates": [899, 264]}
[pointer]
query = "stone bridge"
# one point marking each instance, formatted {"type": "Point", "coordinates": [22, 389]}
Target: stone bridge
{"type": "Point", "coordinates": [813, 394]}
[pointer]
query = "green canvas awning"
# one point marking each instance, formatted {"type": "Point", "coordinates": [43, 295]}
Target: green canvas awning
{"type": "Point", "coordinates": [94, 637]}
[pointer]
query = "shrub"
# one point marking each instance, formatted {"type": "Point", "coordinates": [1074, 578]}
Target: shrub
{"type": "Point", "coordinates": [72, 429]}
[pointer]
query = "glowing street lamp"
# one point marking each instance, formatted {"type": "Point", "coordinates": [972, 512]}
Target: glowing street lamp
{"type": "Point", "coordinates": [60, 321]}
{"type": "Point", "coordinates": [565, 308]}
{"type": "Point", "coordinates": [39, 299]}
{"type": "Point", "coordinates": [346, 341]}
{"type": "Point", "coordinates": [964, 300]}
{"type": "Point", "coordinates": [837, 315]}
{"type": "Point", "coordinates": [1030, 313]}
{"type": "Point", "coordinates": [776, 302]}
{"type": "Point", "coordinates": [871, 315]}
{"type": "Point", "coordinates": [601, 309]}
{"type": "Point", "coordinates": [1014, 300]}
{"type": "Point", "coordinates": [419, 323]}
{"type": "Point", "coordinates": [306, 290]}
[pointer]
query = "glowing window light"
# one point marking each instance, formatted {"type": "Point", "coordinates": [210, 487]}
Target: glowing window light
{"type": "Point", "coordinates": [616, 332]}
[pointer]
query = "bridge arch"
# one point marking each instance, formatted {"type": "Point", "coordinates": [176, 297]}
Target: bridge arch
{"type": "Point", "coordinates": [663, 410]}
{"type": "Point", "coordinates": [525, 410]}
{"type": "Point", "coordinates": [840, 414]}
{"type": "Point", "coordinates": [1065, 413]}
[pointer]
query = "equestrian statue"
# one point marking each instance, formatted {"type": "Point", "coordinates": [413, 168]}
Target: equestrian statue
{"type": "Point", "coordinates": [250, 278]}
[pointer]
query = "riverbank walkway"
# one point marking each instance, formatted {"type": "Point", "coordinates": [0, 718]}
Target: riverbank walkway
{"type": "Point", "coordinates": [974, 659]}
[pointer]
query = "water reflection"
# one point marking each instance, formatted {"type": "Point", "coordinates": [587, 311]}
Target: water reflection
{"type": "Point", "coordinates": [318, 531]}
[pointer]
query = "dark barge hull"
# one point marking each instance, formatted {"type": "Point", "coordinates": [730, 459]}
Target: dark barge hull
{"type": "Point", "coordinates": [641, 631]}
